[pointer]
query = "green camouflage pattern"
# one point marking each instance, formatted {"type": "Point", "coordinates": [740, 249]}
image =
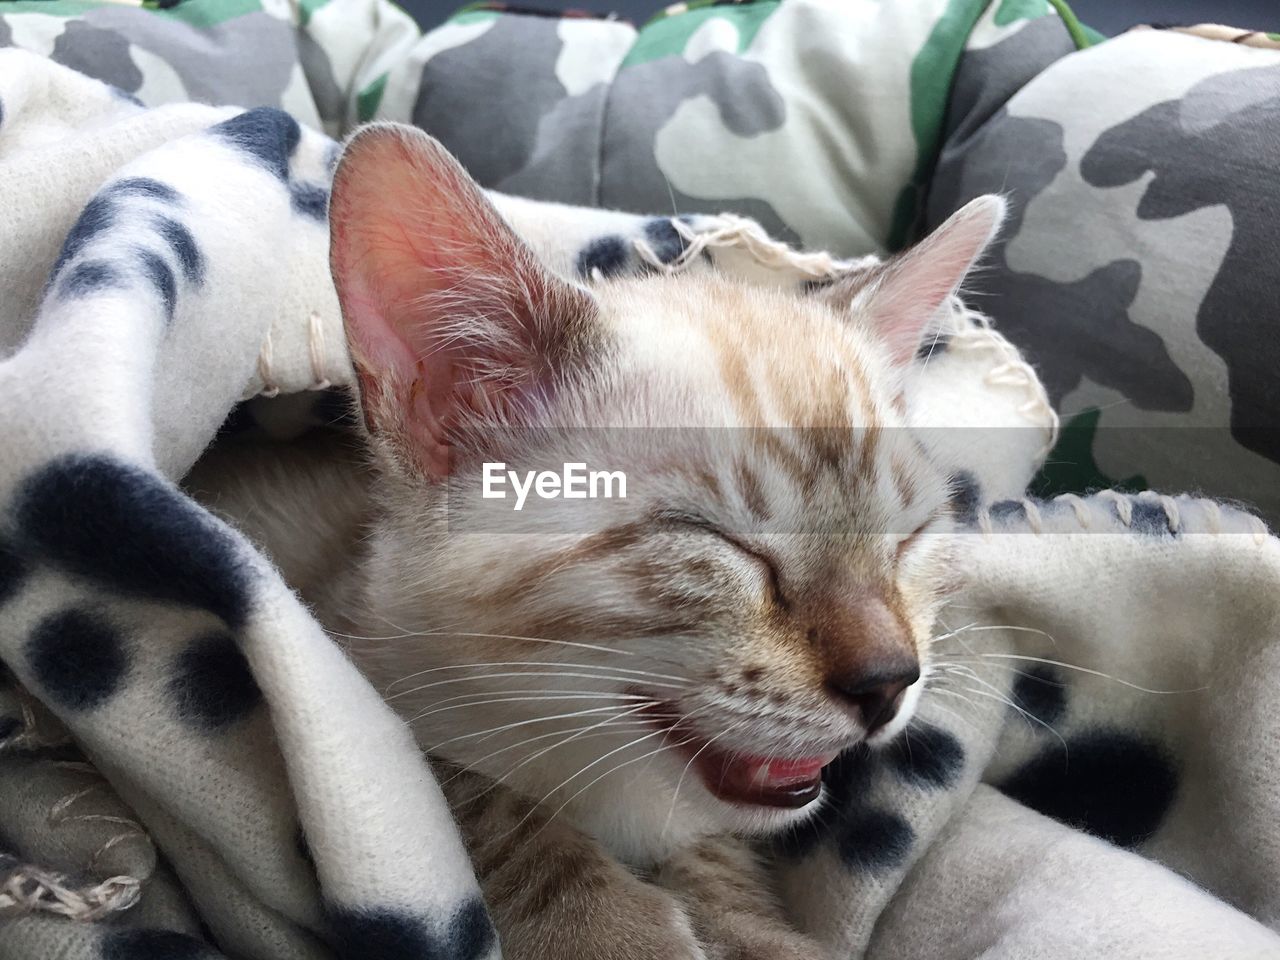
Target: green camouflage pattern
{"type": "Point", "coordinates": [848, 98]}
{"type": "Point", "coordinates": [1138, 264]}
{"type": "Point", "coordinates": [311, 57]}
{"type": "Point", "coordinates": [1137, 268]}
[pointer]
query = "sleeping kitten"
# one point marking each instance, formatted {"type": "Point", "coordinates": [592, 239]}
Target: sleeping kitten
{"type": "Point", "coordinates": [649, 680]}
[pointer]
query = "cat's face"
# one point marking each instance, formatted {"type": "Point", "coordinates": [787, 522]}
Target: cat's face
{"type": "Point", "coordinates": [685, 659]}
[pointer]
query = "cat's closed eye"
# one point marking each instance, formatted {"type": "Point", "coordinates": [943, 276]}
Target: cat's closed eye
{"type": "Point", "coordinates": [773, 582]}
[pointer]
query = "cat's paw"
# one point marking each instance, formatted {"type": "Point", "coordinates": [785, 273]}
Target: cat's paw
{"type": "Point", "coordinates": [614, 922]}
{"type": "Point", "coordinates": [744, 941]}
{"type": "Point", "coordinates": [725, 890]}
{"type": "Point", "coordinates": [671, 937]}
{"type": "Point", "coordinates": [557, 894]}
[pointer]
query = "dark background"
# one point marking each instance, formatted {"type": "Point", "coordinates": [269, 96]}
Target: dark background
{"type": "Point", "coordinates": [1107, 16]}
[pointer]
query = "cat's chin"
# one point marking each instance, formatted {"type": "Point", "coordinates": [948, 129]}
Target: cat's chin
{"type": "Point", "coordinates": [648, 818]}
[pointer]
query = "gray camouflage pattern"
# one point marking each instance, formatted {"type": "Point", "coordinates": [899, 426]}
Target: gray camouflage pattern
{"type": "Point", "coordinates": [1138, 269]}
{"type": "Point", "coordinates": [1217, 146]}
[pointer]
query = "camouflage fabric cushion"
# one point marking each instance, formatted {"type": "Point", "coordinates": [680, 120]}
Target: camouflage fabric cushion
{"type": "Point", "coordinates": [1138, 272]}
{"type": "Point", "coordinates": [820, 120]}
{"type": "Point", "coordinates": [1138, 266]}
{"type": "Point", "coordinates": [823, 119]}
{"type": "Point", "coordinates": [309, 57]}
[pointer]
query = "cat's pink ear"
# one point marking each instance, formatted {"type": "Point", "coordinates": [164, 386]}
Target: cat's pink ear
{"type": "Point", "coordinates": [901, 298]}
{"type": "Point", "coordinates": [450, 319]}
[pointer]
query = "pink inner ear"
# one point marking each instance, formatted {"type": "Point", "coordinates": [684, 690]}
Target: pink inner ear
{"type": "Point", "coordinates": [445, 308]}
{"type": "Point", "coordinates": [913, 287]}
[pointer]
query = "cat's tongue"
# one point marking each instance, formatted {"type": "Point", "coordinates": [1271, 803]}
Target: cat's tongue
{"type": "Point", "coordinates": [763, 781]}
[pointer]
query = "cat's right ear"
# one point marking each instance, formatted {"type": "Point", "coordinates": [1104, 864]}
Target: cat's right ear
{"type": "Point", "coordinates": [900, 299]}
{"type": "Point", "coordinates": [451, 321]}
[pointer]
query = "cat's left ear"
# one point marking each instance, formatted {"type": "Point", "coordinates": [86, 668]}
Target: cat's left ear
{"type": "Point", "coordinates": [452, 322]}
{"type": "Point", "coordinates": [900, 299]}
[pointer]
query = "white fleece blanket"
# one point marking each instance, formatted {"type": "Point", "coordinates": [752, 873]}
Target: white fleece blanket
{"type": "Point", "coordinates": [189, 767]}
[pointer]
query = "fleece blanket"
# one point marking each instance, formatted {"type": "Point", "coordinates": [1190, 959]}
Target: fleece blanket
{"type": "Point", "coordinates": [189, 766]}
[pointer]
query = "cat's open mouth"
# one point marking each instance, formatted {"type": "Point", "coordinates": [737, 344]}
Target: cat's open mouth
{"type": "Point", "coordinates": [789, 782]}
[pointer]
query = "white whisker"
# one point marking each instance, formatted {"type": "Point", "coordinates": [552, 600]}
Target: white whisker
{"type": "Point", "coordinates": [494, 731]}
{"type": "Point", "coordinates": [577, 733]}
{"type": "Point", "coordinates": [967, 721]}
{"type": "Point", "coordinates": [410, 635]}
{"type": "Point", "coordinates": [998, 666]}
{"type": "Point", "coordinates": [546, 750]}
{"type": "Point", "coordinates": [987, 627]}
{"type": "Point", "coordinates": [531, 696]}
{"type": "Point", "coordinates": [676, 795]}
{"type": "Point", "coordinates": [612, 770]}
{"type": "Point", "coordinates": [534, 663]}
{"type": "Point", "coordinates": [521, 673]}
{"type": "Point", "coordinates": [1094, 673]}
{"type": "Point", "coordinates": [1026, 715]}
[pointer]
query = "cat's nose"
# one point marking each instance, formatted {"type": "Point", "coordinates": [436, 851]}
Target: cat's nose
{"type": "Point", "coordinates": [875, 693]}
{"type": "Point", "coordinates": [867, 653]}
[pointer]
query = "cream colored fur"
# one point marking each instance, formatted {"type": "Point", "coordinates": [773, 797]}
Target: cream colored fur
{"type": "Point", "coordinates": [779, 516]}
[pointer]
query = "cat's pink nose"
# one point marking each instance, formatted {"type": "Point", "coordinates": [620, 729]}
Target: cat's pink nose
{"type": "Point", "coordinates": [875, 694]}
